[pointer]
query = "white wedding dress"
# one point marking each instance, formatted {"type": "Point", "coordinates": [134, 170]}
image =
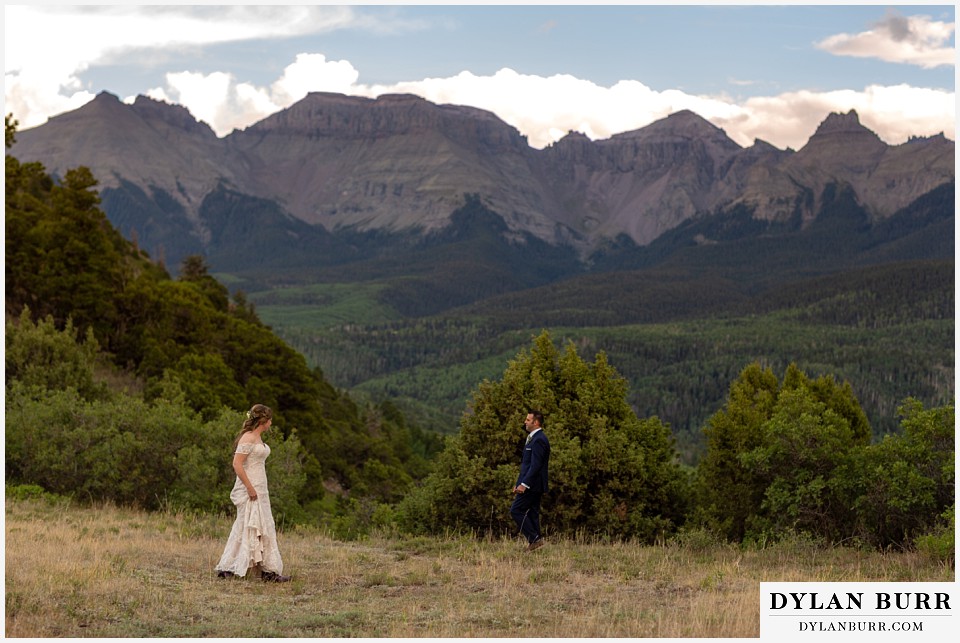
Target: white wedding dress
{"type": "Point", "coordinates": [253, 539]}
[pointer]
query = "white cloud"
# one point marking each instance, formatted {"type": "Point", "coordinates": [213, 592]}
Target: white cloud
{"type": "Point", "coordinates": [313, 72]}
{"type": "Point", "coordinates": [545, 109]}
{"type": "Point", "coordinates": [32, 100]}
{"type": "Point", "coordinates": [894, 113]}
{"type": "Point", "coordinates": [914, 40]}
{"type": "Point", "coordinates": [207, 96]}
{"type": "Point", "coordinates": [39, 84]}
{"type": "Point", "coordinates": [220, 101]}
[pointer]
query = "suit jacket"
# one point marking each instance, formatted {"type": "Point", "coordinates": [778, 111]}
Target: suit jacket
{"type": "Point", "coordinates": [534, 464]}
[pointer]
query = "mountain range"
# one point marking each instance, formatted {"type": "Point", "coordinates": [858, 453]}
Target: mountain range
{"type": "Point", "coordinates": [333, 178]}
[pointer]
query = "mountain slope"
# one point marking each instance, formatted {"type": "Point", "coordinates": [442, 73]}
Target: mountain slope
{"type": "Point", "coordinates": [400, 165]}
{"type": "Point", "coordinates": [393, 164]}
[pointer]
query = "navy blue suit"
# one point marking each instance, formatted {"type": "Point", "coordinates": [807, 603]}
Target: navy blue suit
{"type": "Point", "coordinates": [533, 474]}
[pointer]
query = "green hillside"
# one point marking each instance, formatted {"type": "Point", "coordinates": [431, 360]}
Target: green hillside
{"type": "Point", "coordinates": [125, 384]}
{"type": "Point", "coordinates": [887, 329]}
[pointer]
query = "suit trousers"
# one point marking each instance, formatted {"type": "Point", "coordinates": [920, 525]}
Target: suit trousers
{"type": "Point", "coordinates": [526, 513]}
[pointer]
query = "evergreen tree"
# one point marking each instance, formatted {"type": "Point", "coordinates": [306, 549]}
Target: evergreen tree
{"type": "Point", "coordinates": [730, 492]}
{"type": "Point", "coordinates": [194, 270]}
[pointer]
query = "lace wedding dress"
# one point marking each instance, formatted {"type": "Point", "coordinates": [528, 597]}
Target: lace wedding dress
{"type": "Point", "coordinates": [253, 539]}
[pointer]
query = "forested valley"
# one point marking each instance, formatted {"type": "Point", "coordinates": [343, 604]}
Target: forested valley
{"type": "Point", "coordinates": [887, 329]}
{"type": "Point", "coordinates": [747, 415]}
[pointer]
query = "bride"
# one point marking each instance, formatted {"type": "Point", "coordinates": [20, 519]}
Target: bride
{"type": "Point", "coordinates": [253, 539]}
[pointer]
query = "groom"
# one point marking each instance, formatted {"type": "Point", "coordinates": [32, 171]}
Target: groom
{"type": "Point", "coordinates": [532, 483]}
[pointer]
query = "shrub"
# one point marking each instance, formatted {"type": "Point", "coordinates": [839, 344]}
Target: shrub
{"type": "Point", "coordinates": [132, 452]}
{"type": "Point", "coordinates": [40, 355]}
{"type": "Point", "coordinates": [902, 484]}
{"type": "Point", "coordinates": [940, 543]}
{"type": "Point", "coordinates": [774, 453]}
{"type": "Point", "coordinates": [33, 492]}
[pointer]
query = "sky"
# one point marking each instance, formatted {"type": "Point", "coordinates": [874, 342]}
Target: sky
{"type": "Point", "coordinates": [771, 72]}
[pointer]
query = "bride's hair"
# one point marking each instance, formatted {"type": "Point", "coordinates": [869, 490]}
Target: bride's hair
{"type": "Point", "coordinates": [258, 414]}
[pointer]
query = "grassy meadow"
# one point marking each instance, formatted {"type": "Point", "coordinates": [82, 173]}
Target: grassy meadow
{"type": "Point", "coordinates": [105, 571]}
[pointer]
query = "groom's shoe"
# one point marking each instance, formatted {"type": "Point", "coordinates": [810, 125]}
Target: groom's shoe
{"type": "Point", "coordinates": [274, 577]}
{"type": "Point", "coordinates": [535, 545]}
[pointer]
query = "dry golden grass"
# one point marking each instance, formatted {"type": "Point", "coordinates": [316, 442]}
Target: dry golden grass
{"type": "Point", "coordinates": [112, 572]}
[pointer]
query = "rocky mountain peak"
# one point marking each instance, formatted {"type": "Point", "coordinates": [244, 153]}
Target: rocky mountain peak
{"type": "Point", "coordinates": [760, 145]}
{"type": "Point", "coordinates": [684, 125]}
{"type": "Point", "coordinates": [176, 116]}
{"type": "Point", "coordinates": [323, 115]}
{"type": "Point", "coordinates": [688, 121]}
{"type": "Point", "coordinates": [106, 97]}
{"type": "Point", "coordinates": [104, 105]}
{"type": "Point", "coordinates": [884, 177]}
{"type": "Point", "coordinates": [90, 135]}
{"type": "Point", "coordinates": [936, 138]}
{"type": "Point", "coordinates": [836, 122]}
{"type": "Point", "coordinates": [573, 136]}
{"type": "Point", "coordinates": [846, 128]}
{"type": "Point", "coordinates": [574, 146]}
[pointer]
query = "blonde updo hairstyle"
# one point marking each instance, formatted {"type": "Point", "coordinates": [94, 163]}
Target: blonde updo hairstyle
{"type": "Point", "coordinates": [257, 415]}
